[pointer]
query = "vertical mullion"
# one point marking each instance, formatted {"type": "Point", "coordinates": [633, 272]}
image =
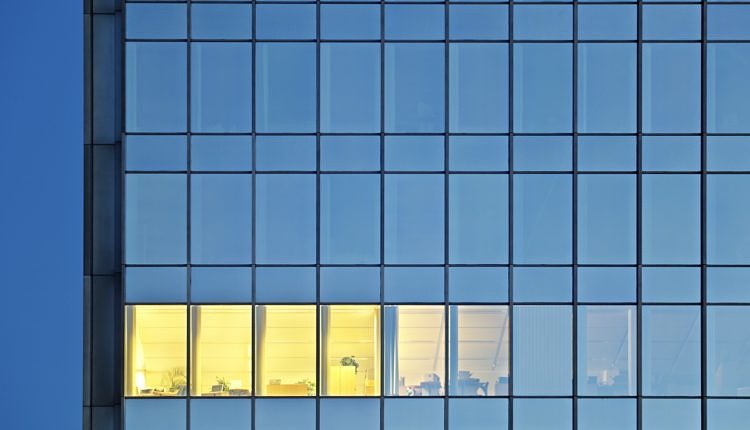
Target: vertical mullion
{"type": "Point", "coordinates": [446, 207]}
{"type": "Point", "coordinates": [510, 214]}
{"type": "Point", "coordinates": [188, 373]}
{"type": "Point", "coordinates": [639, 215]}
{"type": "Point", "coordinates": [703, 191]}
{"type": "Point", "coordinates": [317, 217]}
{"type": "Point", "coordinates": [382, 213]}
{"type": "Point", "coordinates": [254, 320]}
{"type": "Point", "coordinates": [574, 218]}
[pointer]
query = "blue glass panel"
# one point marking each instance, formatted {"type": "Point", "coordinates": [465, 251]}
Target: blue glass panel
{"type": "Point", "coordinates": [154, 414]}
{"type": "Point", "coordinates": [727, 224]}
{"type": "Point", "coordinates": [542, 22]}
{"type": "Point", "coordinates": [671, 89]}
{"type": "Point", "coordinates": [155, 219]}
{"type": "Point", "coordinates": [609, 414]}
{"type": "Point", "coordinates": [155, 87]}
{"type": "Point", "coordinates": [275, 21]}
{"type": "Point", "coordinates": [285, 153]}
{"type": "Point", "coordinates": [350, 284]}
{"type": "Point", "coordinates": [728, 284]}
{"type": "Point", "coordinates": [349, 219]}
{"type": "Point", "coordinates": [608, 22]}
{"type": "Point", "coordinates": [557, 414]}
{"type": "Point", "coordinates": [414, 284]}
{"type": "Point", "coordinates": [671, 284]}
{"type": "Point", "coordinates": [607, 87]}
{"type": "Point", "coordinates": [350, 87]}
{"type": "Point", "coordinates": [728, 153]}
{"type": "Point", "coordinates": [671, 22]}
{"type": "Point", "coordinates": [606, 284]}
{"type": "Point", "coordinates": [350, 153]}
{"type": "Point", "coordinates": [728, 22]}
{"type": "Point", "coordinates": [606, 153]}
{"type": "Point", "coordinates": [478, 153]}
{"type": "Point", "coordinates": [414, 219]}
{"type": "Point", "coordinates": [413, 414]}
{"type": "Point", "coordinates": [349, 21]}
{"type": "Point", "coordinates": [728, 414]}
{"type": "Point", "coordinates": [542, 357]}
{"type": "Point", "coordinates": [671, 339]}
{"type": "Point", "coordinates": [671, 219]}
{"type": "Point", "coordinates": [221, 284]}
{"type": "Point", "coordinates": [230, 153]}
{"type": "Point", "coordinates": [143, 152]}
{"type": "Point", "coordinates": [274, 414]}
{"type": "Point", "coordinates": [727, 335]}
{"type": "Point", "coordinates": [284, 284]}
{"type": "Point", "coordinates": [285, 87]}
{"type": "Point", "coordinates": [221, 21]}
{"type": "Point", "coordinates": [414, 22]}
{"type": "Point", "coordinates": [478, 88]}
{"type": "Point", "coordinates": [478, 284]}
{"type": "Point", "coordinates": [606, 219]}
{"type": "Point", "coordinates": [478, 22]}
{"type": "Point", "coordinates": [414, 153]}
{"type": "Point", "coordinates": [478, 216]}
{"type": "Point", "coordinates": [414, 87]}
{"type": "Point", "coordinates": [671, 414]}
{"type": "Point", "coordinates": [285, 219]}
{"type": "Point", "coordinates": [155, 284]}
{"type": "Point", "coordinates": [542, 284]}
{"type": "Point", "coordinates": [728, 89]}
{"type": "Point", "coordinates": [542, 219]}
{"type": "Point", "coordinates": [542, 153]}
{"type": "Point", "coordinates": [342, 414]}
{"type": "Point", "coordinates": [221, 219]}
{"type": "Point", "coordinates": [477, 414]}
{"type": "Point", "coordinates": [226, 414]}
{"type": "Point", "coordinates": [542, 99]}
{"type": "Point", "coordinates": [607, 350]}
{"type": "Point", "coordinates": [221, 87]}
{"type": "Point", "coordinates": [156, 21]}
{"type": "Point", "coordinates": [675, 153]}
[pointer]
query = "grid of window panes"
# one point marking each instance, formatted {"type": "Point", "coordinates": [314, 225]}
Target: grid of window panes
{"type": "Point", "coordinates": [423, 215]}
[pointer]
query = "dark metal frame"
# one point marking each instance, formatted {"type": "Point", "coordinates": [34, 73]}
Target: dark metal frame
{"type": "Point", "coordinates": [574, 172]}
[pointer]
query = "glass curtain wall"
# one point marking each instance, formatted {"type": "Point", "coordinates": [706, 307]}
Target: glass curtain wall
{"type": "Point", "coordinates": [436, 215]}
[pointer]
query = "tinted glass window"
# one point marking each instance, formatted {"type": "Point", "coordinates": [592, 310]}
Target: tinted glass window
{"type": "Point", "coordinates": [221, 21]}
{"type": "Point", "coordinates": [728, 102]}
{"type": "Point", "coordinates": [156, 87]}
{"type": "Point", "coordinates": [485, 22]}
{"type": "Point", "coordinates": [728, 227]}
{"type": "Point", "coordinates": [156, 21]}
{"type": "Point", "coordinates": [543, 22]}
{"type": "Point", "coordinates": [414, 87]}
{"type": "Point", "coordinates": [221, 153]}
{"type": "Point", "coordinates": [477, 153]}
{"type": "Point", "coordinates": [285, 218]}
{"type": "Point", "coordinates": [610, 414]}
{"type": "Point", "coordinates": [345, 21]}
{"type": "Point", "coordinates": [671, 414]}
{"type": "Point", "coordinates": [671, 22]}
{"type": "Point", "coordinates": [221, 93]}
{"type": "Point", "coordinates": [542, 99]}
{"type": "Point", "coordinates": [285, 87]}
{"type": "Point", "coordinates": [414, 22]}
{"type": "Point", "coordinates": [727, 335]}
{"type": "Point", "coordinates": [608, 22]}
{"type": "Point", "coordinates": [276, 21]}
{"type": "Point", "coordinates": [349, 87]}
{"type": "Point", "coordinates": [478, 88]}
{"type": "Point", "coordinates": [557, 414]}
{"type": "Point", "coordinates": [478, 214]}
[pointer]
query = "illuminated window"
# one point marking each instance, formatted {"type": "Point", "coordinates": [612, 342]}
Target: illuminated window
{"type": "Point", "coordinates": [285, 346]}
{"type": "Point", "coordinates": [414, 350]}
{"type": "Point", "coordinates": [155, 350]}
{"type": "Point", "coordinates": [350, 350]}
{"type": "Point", "coordinates": [479, 350]}
{"type": "Point", "coordinates": [221, 356]}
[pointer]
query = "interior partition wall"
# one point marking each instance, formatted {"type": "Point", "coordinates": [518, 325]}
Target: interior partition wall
{"type": "Point", "coordinates": [435, 215]}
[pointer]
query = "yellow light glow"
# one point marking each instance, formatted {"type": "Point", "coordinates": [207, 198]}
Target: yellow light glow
{"type": "Point", "coordinates": [155, 350]}
{"type": "Point", "coordinates": [285, 340]}
{"type": "Point", "coordinates": [221, 350]}
{"type": "Point", "coordinates": [351, 334]}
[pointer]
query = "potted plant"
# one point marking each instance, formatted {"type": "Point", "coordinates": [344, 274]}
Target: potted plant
{"type": "Point", "coordinates": [350, 361]}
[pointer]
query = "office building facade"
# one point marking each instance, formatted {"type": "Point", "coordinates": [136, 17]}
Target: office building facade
{"type": "Point", "coordinates": [418, 215]}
